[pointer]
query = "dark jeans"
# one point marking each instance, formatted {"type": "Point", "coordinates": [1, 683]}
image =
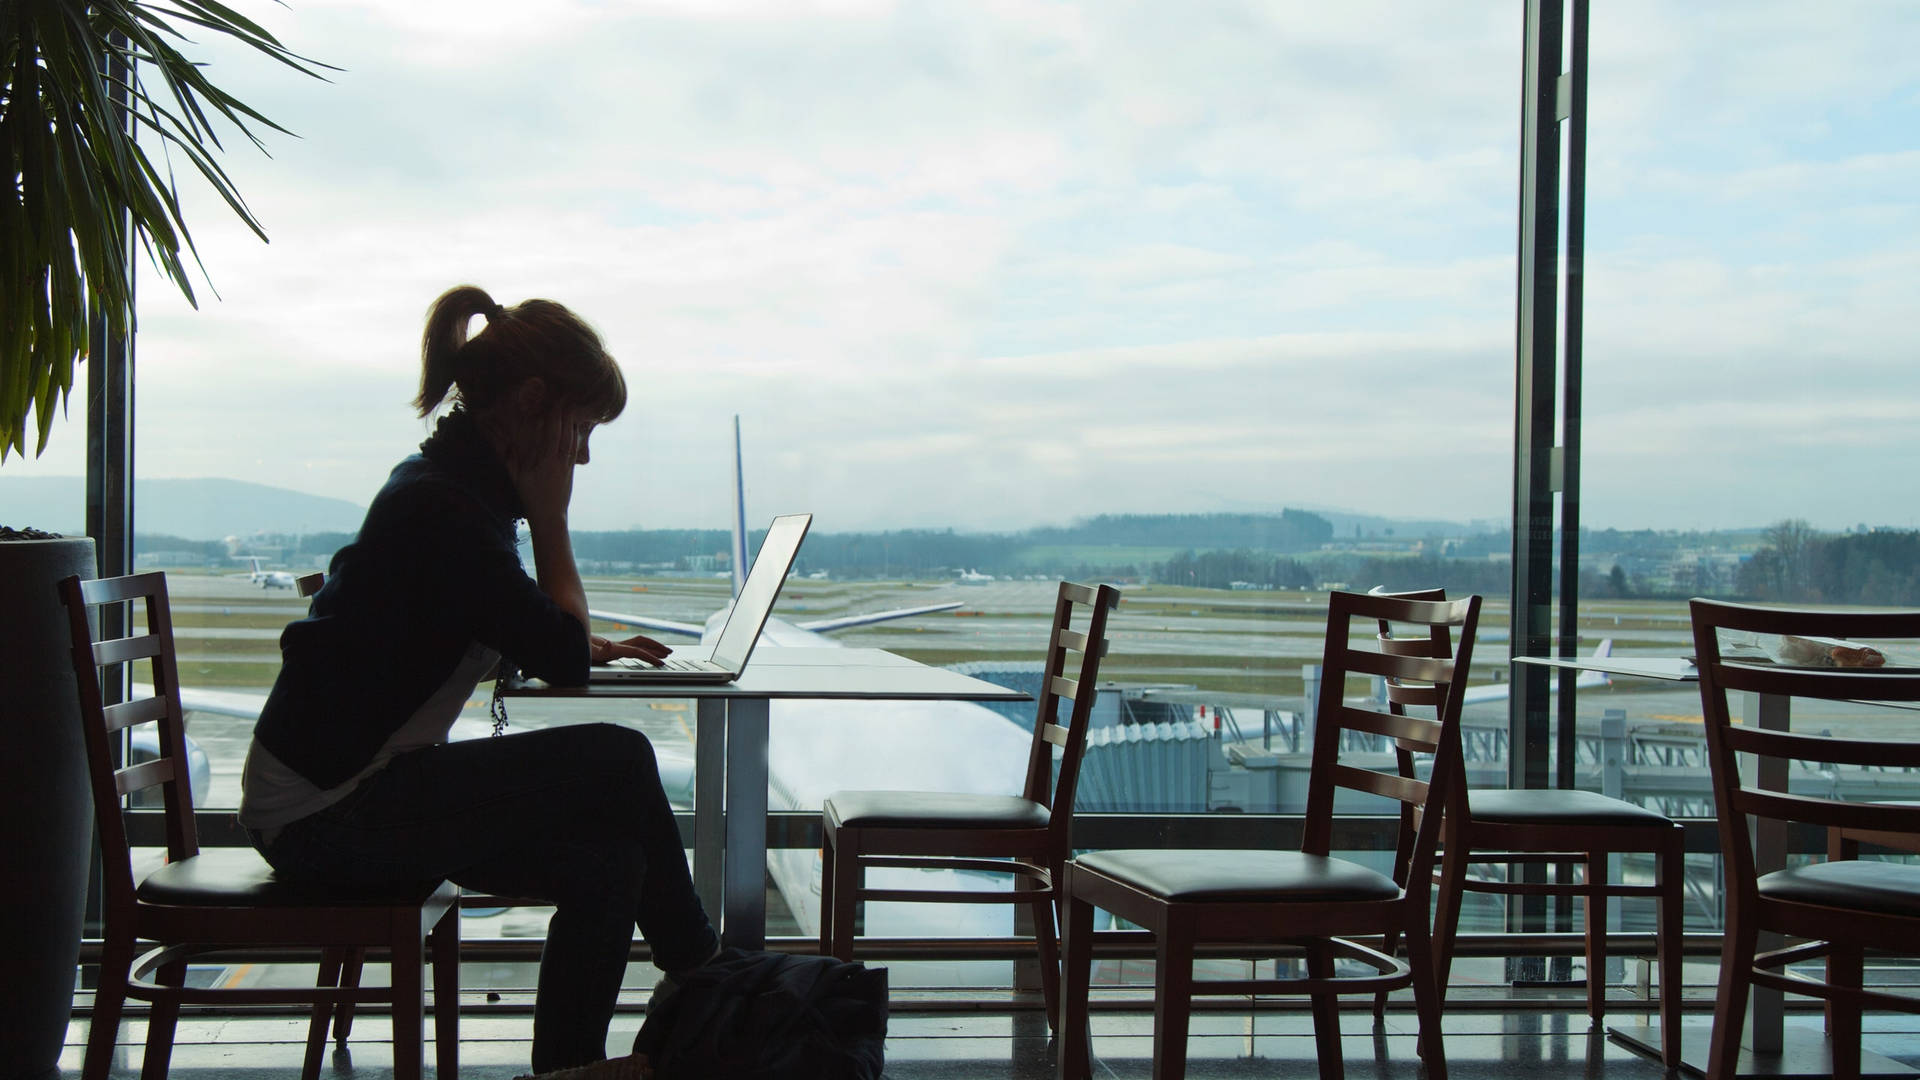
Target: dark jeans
{"type": "Point", "coordinates": [571, 815]}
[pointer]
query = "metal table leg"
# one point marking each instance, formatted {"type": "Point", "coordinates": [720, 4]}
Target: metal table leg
{"type": "Point", "coordinates": [744, 905]}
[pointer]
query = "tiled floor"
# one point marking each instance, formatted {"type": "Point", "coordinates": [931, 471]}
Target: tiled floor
{"type": "Point", "coordinates": [1015, 1046]}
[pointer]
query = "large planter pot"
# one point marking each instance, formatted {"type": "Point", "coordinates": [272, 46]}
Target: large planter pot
{"type": "Point", "coordinates": [46, 810]}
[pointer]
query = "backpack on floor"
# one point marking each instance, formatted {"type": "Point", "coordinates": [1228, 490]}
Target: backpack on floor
{"type": "Point", "coordinates": [770, 1016]}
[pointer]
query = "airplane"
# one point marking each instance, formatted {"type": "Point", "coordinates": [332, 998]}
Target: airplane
{"type": "Point", "coordinates": [973, 577]}
{"type": "Point", "coordinates": [270, 579]}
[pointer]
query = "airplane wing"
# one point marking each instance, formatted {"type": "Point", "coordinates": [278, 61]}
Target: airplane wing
{"type": "Point", "coordinates": [1480, 695]}
{"type": "Point", "coordinates": [821, 626]}
{"type": "Point", "coordinates": [219, 702]}
{"type": "Point", "coordinates": [643, 622]}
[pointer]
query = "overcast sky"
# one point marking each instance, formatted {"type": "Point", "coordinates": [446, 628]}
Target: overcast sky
{"type": "Point", "coordinates": [989, 265]}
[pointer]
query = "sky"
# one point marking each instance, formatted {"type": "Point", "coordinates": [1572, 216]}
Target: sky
{"type": "Point", "coordinates": [987, 265]}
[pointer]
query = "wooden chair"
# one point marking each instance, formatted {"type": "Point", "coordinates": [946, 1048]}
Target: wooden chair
{"type": "Point", "coordinates": [1550, 825]}
{"type": "Point", "coordinates": [1263, 899]}
{"type": "Point", "coordinates": [1837, 909]}
{"type": "Point", "coordinates": [225, 899]}
{"type": "Point", "coordinates": [1025, 835]}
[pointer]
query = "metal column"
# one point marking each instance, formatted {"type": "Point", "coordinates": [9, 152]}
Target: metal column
{"type": "Point", "coordinates": [1542, 465]}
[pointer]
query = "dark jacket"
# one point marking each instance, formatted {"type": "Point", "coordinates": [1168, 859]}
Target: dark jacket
{"type": "Point", "coordinates": [433, 569]}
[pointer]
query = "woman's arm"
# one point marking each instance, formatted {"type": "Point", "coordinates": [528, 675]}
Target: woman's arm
{"type": "Point", "coordinates": [545, 487]}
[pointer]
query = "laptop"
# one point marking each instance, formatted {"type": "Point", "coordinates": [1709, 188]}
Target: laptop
{"type": "Point", "coordinates": [742, 631]}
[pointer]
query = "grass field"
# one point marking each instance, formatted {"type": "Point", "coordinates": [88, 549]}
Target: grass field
{"type": "Point", "coordinates": [1227, 641]}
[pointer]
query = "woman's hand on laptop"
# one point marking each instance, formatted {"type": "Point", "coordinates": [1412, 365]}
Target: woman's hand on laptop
{"type": "Point", "coordinates": [638, 647]}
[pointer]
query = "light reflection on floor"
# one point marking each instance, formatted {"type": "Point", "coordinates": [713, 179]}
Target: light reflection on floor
{"type": "Point", "coordinates": [1013, 1045]}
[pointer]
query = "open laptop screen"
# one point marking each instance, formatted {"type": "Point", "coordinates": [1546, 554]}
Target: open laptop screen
{"type": "Point", "coordinates": [758, 592]}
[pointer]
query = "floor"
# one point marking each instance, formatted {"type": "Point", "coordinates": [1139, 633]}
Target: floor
{"type": "Point", "coordinates": [980, 1045]}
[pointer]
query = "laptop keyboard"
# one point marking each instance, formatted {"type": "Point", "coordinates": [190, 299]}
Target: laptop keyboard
{"type": "Point", "coordinates": [670, 664]}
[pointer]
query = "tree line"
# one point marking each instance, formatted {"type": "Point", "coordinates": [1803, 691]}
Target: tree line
{"type": "Point", "coordinates": [1798, 564]}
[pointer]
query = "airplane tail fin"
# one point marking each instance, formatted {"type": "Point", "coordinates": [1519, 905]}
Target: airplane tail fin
{"type": "Point", "coordinates": [739, 559]}
{"type": "Point", "coordinates": [1601, 652]}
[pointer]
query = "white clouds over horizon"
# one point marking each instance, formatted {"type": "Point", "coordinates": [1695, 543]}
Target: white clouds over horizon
{"type": "Point", "coordinates": [993, 265]}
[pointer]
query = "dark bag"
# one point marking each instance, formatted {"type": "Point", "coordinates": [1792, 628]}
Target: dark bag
{"type": "Point", "coordinates": [770, 1016]}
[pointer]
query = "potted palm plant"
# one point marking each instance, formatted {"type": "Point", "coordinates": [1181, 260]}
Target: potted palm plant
{"type": "Point", "coordinates": [97, 104]}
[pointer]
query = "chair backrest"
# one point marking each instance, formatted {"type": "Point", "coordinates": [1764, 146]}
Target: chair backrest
{"type": "Point", "coordinates": [1413, 680]}
{"type": "Point", "coordinates": [1436, 641]}
{"type": "Point", "coordinates": [1072, 673]}
{"type": "Point", "coordinates": [1735, 798]}
{"type": "Point", "coordinates": [168, 771]}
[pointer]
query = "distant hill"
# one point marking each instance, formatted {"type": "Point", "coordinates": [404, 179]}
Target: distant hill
{"type": "Point", "coordinates": [207, 509]}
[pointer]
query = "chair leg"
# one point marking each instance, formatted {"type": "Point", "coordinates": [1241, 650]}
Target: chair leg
{"type": "Point", "coordinates": [116, 959]}
{"type": "Point", "coordinates": [1392, 942]}
{"type": "Point", "coordinates": [826, 895]}
{"type": "Point", "coordinates": [1073, 1037]}
{"type": "Point", "coordinates": [1844, 969]}
{"type": "Point", "coordinates": [1044, 936]}
{"type": "Point", "coordinates": [1426, 995]}
{"type": "Point", "coordinates": [1670, 924]}
{"type": "Point", "coordinates": [1446, 916]}
{"type": "Point", "coordinates": [846, 890]}
{"type": "Point", "coordinates": [446, 994]}
{"type": "Point", "coordinates": [409, 993]}
{"type": "Point", "coordinates": [1172, 999]}
{"type": "Point", "coordinates": [1326, 1014]}
{"type": "Point", "coordinates": [1595, 903]}
{"type": "Point", "coordinates": [1730, 1004]}
{"type": "Point", "coordinates": [1839, 848]}
{"type": "Point", "coordinates": [161, 1020]}
{"type": "Point", "coordinates": [322, 1016]}
{"type": "Point", "coordinates": [356, 961]}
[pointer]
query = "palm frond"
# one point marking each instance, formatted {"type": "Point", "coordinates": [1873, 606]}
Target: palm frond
{"type": "Point", "coordinates": [83, 191]}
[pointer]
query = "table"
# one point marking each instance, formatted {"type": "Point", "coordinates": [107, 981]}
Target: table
{"type": "Point", "coordinates": [1769, 1048]}
{"type": "Point", "coordinates": [730, 753]}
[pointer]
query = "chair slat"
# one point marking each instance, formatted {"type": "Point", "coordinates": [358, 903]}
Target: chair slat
{"type": "Point", "coordinates": [1054, 734]}
{"type": "Point", "coordinates": [1405, 789]}
{"type": "Point", "coordinates": [1065, 687]}
{"type": "Point", "coordinates": [1809, 747]}
{"type": "Point", "coordinates": [1421, 669]}
{"type": "Point", "coordinates": [1396, 609]}
{"type": "Point", "coordinates": [1407, 694]}
{"type": "Point", "coordinates": [1073, 639]}
{"type": "Point", "coordinates": [1405, 646]}
{"type": "Point", "coordinates": [1079, 594]}
{"type": "Point", "coordinates": [144, 775]}
{"type": "Point", "coordinates": [127, 714]}
{"type": "Point", "coordinates": [121, 650]}
{"type": "Point", "coordinates": [1860, 684]}
{"type": "Point", "coordinates": [1410, 728]}
{"type": "Point", "coordinates": [114, 590]}
{"type": "Point", "coordinates": [1829, 813]}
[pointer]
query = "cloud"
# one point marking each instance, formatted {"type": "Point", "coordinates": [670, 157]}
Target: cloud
{"type": "Point", "coordinates": [989, 265]}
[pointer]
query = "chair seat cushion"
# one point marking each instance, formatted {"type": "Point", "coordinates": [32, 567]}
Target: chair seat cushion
{"type": "Point", "coordinates": [1552, 806]}
{"type": "Point", "coordinates": [232, 877]}
{"type": "Point", "coordinates": [1880, 887]}
{"type": "Point", "coordinates": [1230, 876]}
{"type": "Point", "coordinates": [934, 810]}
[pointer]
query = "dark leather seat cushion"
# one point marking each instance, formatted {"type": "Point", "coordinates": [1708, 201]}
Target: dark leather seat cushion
{"type": "Point", "coordinates": [1241, 876]}
{"type": "Point", "coordinates": [1551, 806]}
{"type": "Point", "coordinates": [239, 877]}
{"type": "Point", "coordinates": [1881, 887]}
{"type": "Point", "coordinates": [934, 810]}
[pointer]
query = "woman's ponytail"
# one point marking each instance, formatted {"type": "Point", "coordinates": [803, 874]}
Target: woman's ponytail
{"type": "Point", "coordinates": [443, 340]}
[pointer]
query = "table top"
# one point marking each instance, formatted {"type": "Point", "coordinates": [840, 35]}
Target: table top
{"type": "Point", "coordinates": [1667, 668]}
{"type": "Point", "coordinates": [776, 672]}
